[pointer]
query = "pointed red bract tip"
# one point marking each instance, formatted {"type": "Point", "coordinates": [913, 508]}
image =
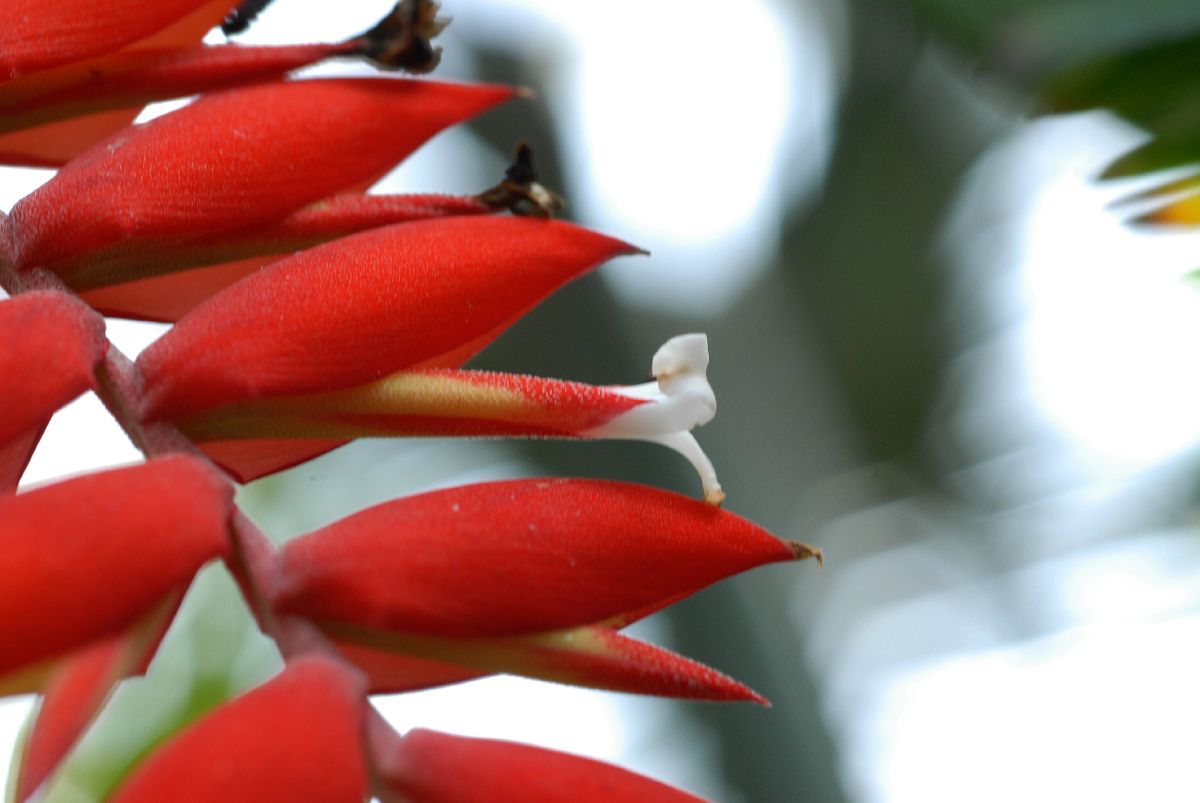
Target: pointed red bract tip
{"type": "Point", "coordinates": [605, 659]}
{"type": "Point", "coordinates": [298, 737]}
{"type": "Point", "coordinates": [38, 34]}
{"type": "Point", "coordinates": [360, 308]}
{"type": "Point", "coordinates": [248, 158]}
{"type": "Point", "coordinates": [434, 767]}
{"type": "Point", "coordinates": [516, 557]}
{"type": "Point", "coordinates": [594, 656]}
{"type": "Point", "coordinates": [85, 558]}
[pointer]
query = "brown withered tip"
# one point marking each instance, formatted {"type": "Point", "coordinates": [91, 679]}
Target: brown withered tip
{"type": "Point", "coordinates": [239, 19]}
{"type": "Point", "coordinates": [401, 40]}
{"type": "Point", "coordinates": [804, 551]}
{"type": "Point", "coordinates": [519, 191]}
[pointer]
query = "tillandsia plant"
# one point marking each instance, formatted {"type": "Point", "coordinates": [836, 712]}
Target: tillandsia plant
{"type": "Point", "coordinates": [308, 313]}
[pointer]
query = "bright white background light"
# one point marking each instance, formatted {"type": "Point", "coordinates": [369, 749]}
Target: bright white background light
{"type": "Point", "coordinates": [1080, 403]}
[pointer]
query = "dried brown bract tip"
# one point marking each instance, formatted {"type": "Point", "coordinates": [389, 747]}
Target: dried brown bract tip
{"type": "Point", "coordinates": [519, 192]}
{"type": "Point", "coordinates": [805, 551]}
{"type": "Point", "coordinates": [240, 18]}
{"type": "Point", "coordinates": [401, 40]}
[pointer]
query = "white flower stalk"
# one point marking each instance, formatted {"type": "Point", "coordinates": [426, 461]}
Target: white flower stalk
{"type": "Point", "coordinates": [680, 400]}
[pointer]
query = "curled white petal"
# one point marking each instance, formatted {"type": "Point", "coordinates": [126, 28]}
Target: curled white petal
{"type": "Point", "coordinates": [678, 401]}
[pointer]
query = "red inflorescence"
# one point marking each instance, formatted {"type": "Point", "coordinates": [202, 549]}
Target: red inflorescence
{"type": "Point", "coordinates": [358, 326]}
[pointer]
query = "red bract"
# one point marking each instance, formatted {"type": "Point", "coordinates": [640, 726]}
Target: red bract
{"type": "Point", "coordinates": [430, 767]}
{"type": "Point", "coordinates": [132, 78]}
{"type": "Point", "coordinates": [515, 557]}
{"type": "Point", "coordinates": [273, 362]}
{"type": "Point", "coordinates": [60, 342]}
{"type": "Point", "coordinates": [248, 158]}
{"type": "Point", "coordinates": [255, 437]}
{"type": "Point", "coordinates": [509, 576]}
{"type": "Point", "coordinates": [170, 296]}
{"type": "Point", "coordinates": [37, 34]}
{"type": "Point", "coordinates": [53, 144]}
{"type": "Point", "coordinates": [442, 403]}
{"type": "Point", "coordinates": [424, 294]}
{"type": "Point", "coordinates": [88, 558]}
{"type": "Point", "coordinates": [110, 89]}
{"type": "Point", "coordinates": [439, 402]}
{"type": "Point", "coordinates": [297, 738]}
{"type": "Point", "coordinates": [589, 655]}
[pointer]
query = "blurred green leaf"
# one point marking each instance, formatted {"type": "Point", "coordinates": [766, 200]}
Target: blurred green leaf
{"type": "Point", "coordinates": [1152, 88]}
{"type": "Point", "coordinates": [1032, 40]}
{"type": "Point", "coordinates": [1136, 58]}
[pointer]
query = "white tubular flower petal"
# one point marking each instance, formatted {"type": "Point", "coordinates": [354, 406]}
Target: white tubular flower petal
{"type": "Point", "coordinates": [680, 400]}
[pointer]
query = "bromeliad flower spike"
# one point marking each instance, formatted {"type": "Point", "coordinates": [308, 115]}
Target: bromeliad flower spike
{"type": "Point", "coordinates": [310, 313]}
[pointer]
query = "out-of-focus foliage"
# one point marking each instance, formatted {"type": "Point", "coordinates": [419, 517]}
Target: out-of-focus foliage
{"type": "Point", "coordinates": [1136, 58]}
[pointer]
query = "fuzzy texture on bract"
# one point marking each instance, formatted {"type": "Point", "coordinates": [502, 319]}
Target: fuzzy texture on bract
{"type": "Point", "coordinates": [515, 557]}
{"type": "Point", "coordinates": [297, 738]}
{"type": "Point", "coordinates": [594, 656]}
{"type": "Point", "coordinates": [424, 294]}
{"type": "Point", "coordinates": [528, 577]}
{"type": "Point", "coordinates": [248, 158]}
{"type": "Point", "coordinates": [438, 403]}
{"type": "Point", "coordinates": [170, 296]}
